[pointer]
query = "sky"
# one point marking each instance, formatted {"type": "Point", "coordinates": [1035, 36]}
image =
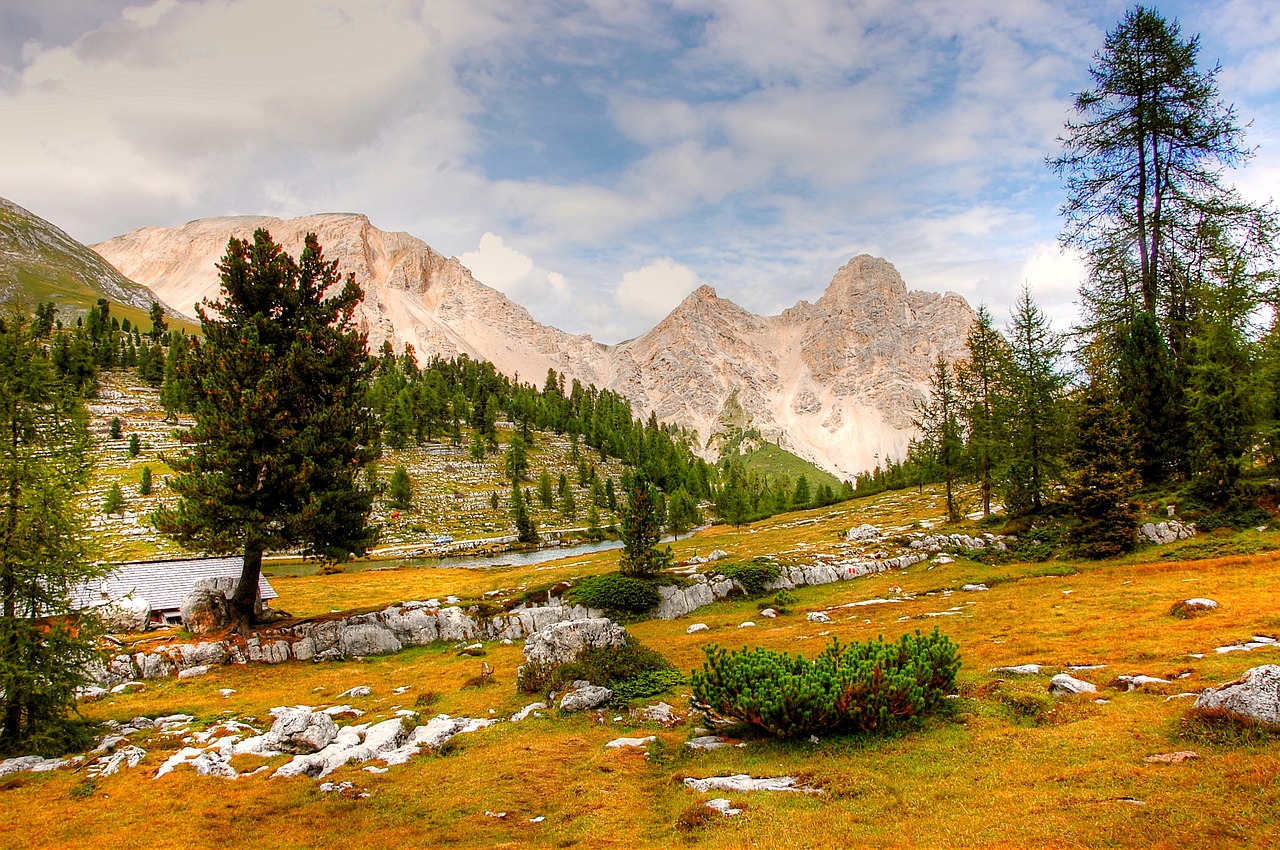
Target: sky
{"type": "Point", "coordinates": [598, 160]}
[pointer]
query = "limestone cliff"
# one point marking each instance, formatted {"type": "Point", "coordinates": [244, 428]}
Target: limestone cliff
{"type": "Point", "coordinates": [836, 381]}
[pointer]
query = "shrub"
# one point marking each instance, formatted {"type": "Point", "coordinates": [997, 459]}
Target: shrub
{"type": "Point", "coordinates": [752, 575]}
{"type": "Point", "coordinates": [632, 671]}
{"type": "Point", "coordinates": [615, 592]}
{"type": "Point", "coordinates": [860, 687]}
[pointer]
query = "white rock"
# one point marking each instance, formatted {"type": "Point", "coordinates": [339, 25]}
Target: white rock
{"type": "Point", "coordinates": [659, 713]}
{"type": "Point", "coordinates": [1019, 670]}
{"type": "Point", "coordinates": [707, 742]}
{"type": "Point", "coordinates": [1064, 684]}
{"type": "Point", "coordinates": [747, 625]}
{"type": "Point", "coordinates": [560, 643]}
{"type": "Point", "coordinates": [357, 691]}
{"type": "Point", "coordinates": [618, 743]}
{"type": "Point", "coordinates": [818, 617]}
{"type": "Point", "coordinates": [301, 730]}
{"type": "Point", "coordinates": [192, 672]}
{"type": "Point", "coordinates": [527, 710]}
{"type": "Point", "coordinates": [585, 697]}
{"type": "Point", "coordinates": [769, 612]}
{"type": "Point", "coordinates": [723, 806]}
{"type": "Point", "coordinates": [742, 782]}
{"type": "Point", "coordinates": [1129, 683]}
{"type": "Point", "coordinates": [697, 627]}
{"type": "Point", "coordinates": [1255, 695]}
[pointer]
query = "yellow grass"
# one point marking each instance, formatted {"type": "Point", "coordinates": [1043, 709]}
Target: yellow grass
{"type": "Point", "coordinates": [983, 776]}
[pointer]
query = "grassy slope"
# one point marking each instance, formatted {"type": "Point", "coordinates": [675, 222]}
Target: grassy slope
{"type": "Point", "coordinates": [774, 460]}
{"type": "Point", "coordinates": [1053, 774]}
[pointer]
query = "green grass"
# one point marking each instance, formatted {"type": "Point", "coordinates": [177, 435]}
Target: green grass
{"type": "Point", "coordinates": [776, 461]}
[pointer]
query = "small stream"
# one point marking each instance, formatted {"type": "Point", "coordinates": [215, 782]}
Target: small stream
{"type": "Point", "coordinates": [466, 562]}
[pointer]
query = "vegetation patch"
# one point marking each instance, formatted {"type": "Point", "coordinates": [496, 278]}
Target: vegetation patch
{"type": "Point", "coordinates": [615, 592]}
{"type": "Point", "coordinates": [632, 671]}
{"type": "Point", "coordinates": [862, 687]}
{"type": "Point", "coordinates": [752, 575]}
{"type": "Point", "coordinates": [1223, 727]}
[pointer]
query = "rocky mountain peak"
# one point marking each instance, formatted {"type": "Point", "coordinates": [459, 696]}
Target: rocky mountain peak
{"type": "Point", "coordinates": [861, 277]}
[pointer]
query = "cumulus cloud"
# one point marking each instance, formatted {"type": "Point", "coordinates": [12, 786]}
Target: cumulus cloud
{"type": "Point", "coordinates": [649, 293]}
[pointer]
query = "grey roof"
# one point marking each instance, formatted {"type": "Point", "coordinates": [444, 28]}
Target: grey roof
{"type": "Point", "coordinates": [164, 584]}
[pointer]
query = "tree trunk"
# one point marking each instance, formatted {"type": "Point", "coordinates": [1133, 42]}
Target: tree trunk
{"type": "Point", "coordinates": [244, 605]}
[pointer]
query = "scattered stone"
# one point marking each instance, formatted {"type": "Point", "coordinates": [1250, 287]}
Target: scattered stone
{"type": "Point", "coordinates": [723, 806]}
{"type": "Point", "coordinates": [1172, 758]}
{"type": "Point", "coordinates": [538, 819]}
{"type": "Point", "coordinates": [301, 730]}
{"type": "Point", "coordinates": [1129, 683]}
{"type": "Point", "coordinates": [127, 756]}
{"type": "Point", "coordinates": [1019, 670]}
{"type": "Point", "coordinates": [527, 710]}
{"type": "Point", "coordinates": [818, 617]}
{"type": "Point", "coordinates": [1167, 532]}
{"type": "Point", "coordinates": [330, 787]}
{"type": "Point", "coordinates": [127, 687]}
{"type": "Point", "coordinates": [585, 695]}
{"type": "Point", "coordinates": [561, 642]}
{"type": "Point", "coordinates": [769, 612]}
{"type": "Point", "coordinates": [498, 815]}
{"type": "Point", "coordinates": [473, 650]}
{"type": "Point", "coordinates": [226, 692]}
{"type": "Point", "coordinates": [742, 782]}
{"type": "Point", "coordinates": [697, 627]}
{"type": "Point", "coordinates": [1255, 695]}
{"type": "Point", "coordinates": [357, 691]}
{"type": "Point", "coordinates": [708, 742]}
{"type": "Point", "coordinates": [944, 559]}
{"type": "Point", "coordinates": [862, 532]}
{"type": "Point", "coordinates": [618, 743]}
{"type": "Point", "coordinates": [192, 672]}
{"type": "Point", "coordinates": [32, 764]}
{"type": "Point", "coordinates": [658, 713]}
{"type": "Point", "coordinates": [975, 587]}
{"type": "Point", "coordinates": [1064, 684]}
{"type": "Point", "coordinates": [747, 625]}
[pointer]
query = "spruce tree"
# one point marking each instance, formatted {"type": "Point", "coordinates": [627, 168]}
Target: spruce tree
{"type": "Point", "coordinates": [526, 529]}
{"type": "Point", "coordinates": [113, 502]}
{"type": "Point", "coordinates": [641, 529]}
{"type": "Point", "coordinates": [281, 428]}
{"type": "Point", "coordinates": [1151, 395]}
{"type": "Point", "coordinates": [942, 432]}
{"type": "Point", "coordinates": [44, 462]}
{"type": "Point", "coordinates": [803, 496]}
{"type": "Point", "coordinates": [144, 483]}
{"type": "Point", "coordinates": [1101, 478]}
{"type": "Point", "coordinates": [400, 489]}
{"type": "Point", "coordinates": [1033, 462]}
{"type": "Point", "coordinates": [981, 382]}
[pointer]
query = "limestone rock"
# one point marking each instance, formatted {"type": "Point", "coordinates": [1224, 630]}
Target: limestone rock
{"type": "Point", "coordinates": [818, 617]}
{"type": "Point", "coordinates": [658, 713]}
{"type": "Point", "coordinates": [862, 532]}
{"type": "Point", "coordinates": [1019, 670]}
{"type": "Point", "coordinates": [1167, 532]}
{"type": "Point", "coordinates": [561, 642]}
{"type": "Point", "coordinates": [696, 627]}
{"type": "Point", "coordinates": [1255, 695]}
{"type": "Point", "coordinates": [742, 782]}
{"type": "Point", "coordinates": [1065, 684]}
{"type": "Point", "coordinates": [205, 612]}
{"type": "Point", "coordinates": [585, 696]}
{"type": "Point", "coordinates": [618, 743]}
{"type": "Point", "coordinates": [124, 614]}
{"type": "Point", "coordinates": [301, 730]}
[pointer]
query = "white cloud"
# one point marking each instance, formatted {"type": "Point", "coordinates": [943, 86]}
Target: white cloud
{"type": "Point", "coordinates": [514, 274]}
{"type": "Point", "coordinates": [649, 293]}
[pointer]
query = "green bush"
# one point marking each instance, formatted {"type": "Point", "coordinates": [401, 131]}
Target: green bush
{"type": "Point", "coordinates": [615, 592]}
{"type": "Point", "coordinates": [632, 671]}
{"type": "Point", "coordinates": [860, 687]}
{"type": "Point", "coordinates": [752, 575]}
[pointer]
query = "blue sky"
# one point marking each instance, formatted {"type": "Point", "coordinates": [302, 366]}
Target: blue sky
{"type": "Point", "coordinates": [597, 160]}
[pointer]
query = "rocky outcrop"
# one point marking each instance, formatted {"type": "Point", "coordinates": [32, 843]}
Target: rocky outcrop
{"type": "Point", "coordinates": [835, 381]}
{"type": "Point", "coordinates": [564, 642]}
{"type": "Point", "coordinates": [1167, 532]}
{"type": "Point", "coordinates": [1255, 695]}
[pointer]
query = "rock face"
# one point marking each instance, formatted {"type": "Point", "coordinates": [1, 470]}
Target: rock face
{"type": "Point", "coordinates": [561, 643]}
{"type": "Point", "coordinates": [205, 612]}
{"type": "Point", "coordinates": [835, 381]}
{"type": "Point", "coordinates": [1255, 695]}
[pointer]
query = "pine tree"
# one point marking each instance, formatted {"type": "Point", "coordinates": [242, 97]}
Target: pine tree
{"type": "Point", "coordinates": [144, 483]}
{"type": "Point", "coordinates": [43, 463]}
{"type": "Point", "coordinates": [682, 512]}
{"type": "Point", "coordinates": [1152, 397]}
{"type": "Point", "coordinates": [981, 382]}
{"type": "Point", "coordinates": [1101, 478]}
{"type": "Point", "coordinates": [135, 445]}
{"type": "Point", "coordinates": [942, 431]}
{"type": "Point", "coordinates": [802, 497]}
{"type": "Point", "coordinates": [115, 432]}
{"type": "Point", "coordinates": [1035, 417]}
{"type": "Point", "coordinates": [113, 502]}
{"type": "Point", "coordinates": [400, 489]}
{"type": "Point", "coordinates": [158, 324]}
{"type": "Point", "coordinates": [281, 428]}
{"type": "Point", "coordinates": [545, 496]}
{"type": "Point", "coordinates": [526, 530]}
{"type": "Point", "coordinates": [641, 529]}
{"type": "Point", "coordinates": [569, 505]}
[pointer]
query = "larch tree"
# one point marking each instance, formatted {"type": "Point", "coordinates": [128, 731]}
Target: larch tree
{"type": "Point", "coordinates": [942, 431]}
{"type": "Point", "coordinates": [1035, 420]}
{"type": "Point", "coordinates": [981, 382]}
{"type": "Point", "coordinates": [44, 647]}
{"type": "Point", "coordinates": [282, 430]}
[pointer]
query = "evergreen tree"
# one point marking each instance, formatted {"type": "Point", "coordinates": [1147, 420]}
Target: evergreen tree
{"type": "Point", "coordinates": [1035, 417]}
{"type": "Point", "coordinates": [982, 389]}
{"type": "Point", "coordinates": [545, 496]}
{"type": "Point", "coordinates": [942, 431]}
{"type": "Point", "coordinates": [593, 522]}
{"type": "Point", "coordinates": [1101, 478]}
{"type": "Point", "coordinates": [1221, 407]}
{"type": "Point", "coordinates": [43, 463]}
{"type": "Point", "coordinates": [144, 483]}
{"type": "Point", "coordinates": [568, 505]}
{"type": "Point", "coordinates": [802, 497]}
{"type": "Point", "coordinates": [1151, 395]}
{"type": "Point", "coordinates": [281, 429]}
{"type": "Point", "coordinates": [400, 489]}
{"type": "Point", "coordinates": [1267, 392]}
{"type": "Point", "coordinates": [526, 529]}
{"type": "Point", "coordinates": [113, 503]}
{"type": "Point", "coordinates": [477, 449]}
{"type": "Point", "coordinates": [641, 529]}
{"type": "Point", "coordinates": [158, 324]}
{"type": "Point", "coordinates": [114, 433]}
{"type": "Point", "coordinates": [516, 460]}
{"type": "Point", "coordinates": [135, 445]}
{"type": "Point", "coordinates": [682, 512]}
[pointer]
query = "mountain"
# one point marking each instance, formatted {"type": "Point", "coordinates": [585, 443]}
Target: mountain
{"type": "Point", "coordinates": [835, 382]}
{"type": "Point", "coordinates": [39, 262]}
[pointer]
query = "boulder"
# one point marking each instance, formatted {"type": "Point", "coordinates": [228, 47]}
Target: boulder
{"type": "Point", "coordinates": [1255, 695]}
{"type": "Point", "coordinates": [585, 695]}
{"type": "Point", "coordinates": [618, 743]}
{"type": "Point", "coordinates": [1064, 684]}
{"type": "Point", "coordinates": [696, 627]}
{"type": "Point", "coordinates": [1131, 683]}
{"type": "Point", "coordinates": [1167, 532]}
{"type": "Point", "coordinates": [301, 730]}
{"type": "Point", "coordinates": [125, 614]}
{"type": "Point", "coordinates": [865, 531]}
{"type": "Point", "coordinates": [561, 643]}
{"type": "Point", "coordinates": [659, 713]}
{"type": "Point", "coordinates": [818, 617]}
{"type": "Point", "coordinates": [205, 612]}
{"type": "Point", "coordinates": [1019, 670]}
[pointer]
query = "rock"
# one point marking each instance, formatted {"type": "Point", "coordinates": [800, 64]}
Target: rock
{"type": "Point", "coordinates": [1019, 670]}
{"type": "Point", "coordinates": [301, 730]}
{"type": "Point", "coordinates": [1255, 695]}
{"type": "Point", "coordinates": [1065, 684]}
{"type": "Point", "coordinates": [697, 627]}
{"type": "Point", "coordinates": [742, 782]}
{"type": "Point", "coordinates": [1172, 758]}
{"type": "Point", "coordinates": [124, 614]}
{"type": "Point", "coordinates": [769, 612]}
{"type": "Point", "coordinates": [659, 713]}
{"type": "Point", "coordinates": [527, 710]}
{"type": "Point", "coordinates": [708, 742]}
{"type": "Point", "coordinates": [560, 643]}
{"type": "Point", "coordinates": [205, 612]}
{"type": "Point", "coordinates": [192, 672]}
{"type": "Point", "coordinates": [1167, 532]}
{"type": "Point", "coordinates": [1200, 604]}
{"type": "Point", "coordinates": [723, 806]}
{"type": "Point", "coordinates": [1130, 683]}
{"type": "Point", "coordinates": [974, 587]}
{"type": "Point", "coordinates": [126, 687]}
{"type": "Point", "coordinates": [618, 743]}
{"type": "Point", "coordinates": [585, 697]}
{"type": "Point", "coordinates": [367, 639]}
{"type": "Point", "coordinates": [862, 532]}
{"type": "Point", "coordinates": [357, 691]}
{"type": "Point", "coordinates": [818, 617]}
{"type": "Point", "coordinates": [747, 625]}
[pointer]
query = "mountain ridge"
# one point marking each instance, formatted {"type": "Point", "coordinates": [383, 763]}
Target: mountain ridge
{"type": "Point", "coordinates": [835, 381]}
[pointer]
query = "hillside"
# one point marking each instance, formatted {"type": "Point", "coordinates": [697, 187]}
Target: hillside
{"type": "Point", "coordinates": [834, 382]}
{"type": "Point", "coordinates": [39, 262]}
{"type": "Point", "coordinates": [1008, 765]}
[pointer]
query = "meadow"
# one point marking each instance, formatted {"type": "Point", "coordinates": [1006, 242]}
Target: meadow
{"type": "Point", "coordinates": [1006, 765]}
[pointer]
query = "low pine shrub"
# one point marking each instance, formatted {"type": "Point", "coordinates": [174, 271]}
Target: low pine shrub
{"type": "Point", "coordinates": [862, 687]}
{"type": "Point", "coordinates": [615, 592]}
{"type": "Point", "coordinates": [610, 666]}
{"type": "Point", "coordinates": [752, 575]}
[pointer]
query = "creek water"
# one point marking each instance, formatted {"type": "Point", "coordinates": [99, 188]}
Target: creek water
{"type": "Point", "coordinates": [466, 562]}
